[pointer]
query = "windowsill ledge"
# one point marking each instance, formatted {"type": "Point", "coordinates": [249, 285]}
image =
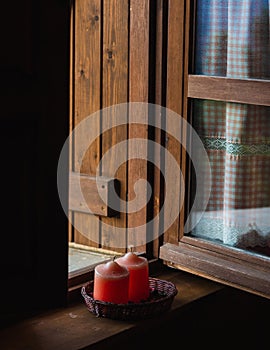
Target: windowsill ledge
{"type": "Point", "coordinates": [74, 327]}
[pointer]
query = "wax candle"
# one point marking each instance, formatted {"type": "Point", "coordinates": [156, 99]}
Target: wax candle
{"type": "Point", "coordinates": [138, 276]}
{"type": "Point", "coordinates": [111, 283]}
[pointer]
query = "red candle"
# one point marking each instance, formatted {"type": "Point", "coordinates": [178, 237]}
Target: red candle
{"type": "Point", "coordinates": [111, 283]}
{"type": "Point", "coordinates": [138, 276]}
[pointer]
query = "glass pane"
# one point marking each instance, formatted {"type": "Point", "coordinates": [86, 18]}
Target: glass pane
{"type": "Point", "coordinates": [236, 138]}
{"type": "Point", "coordinates": [232, 38]}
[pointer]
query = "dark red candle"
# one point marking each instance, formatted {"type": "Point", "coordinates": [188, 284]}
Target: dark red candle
{"type": "Point", "coordinates": [138, 276]}
{"type": "Point", "coordinates": [111, 283]}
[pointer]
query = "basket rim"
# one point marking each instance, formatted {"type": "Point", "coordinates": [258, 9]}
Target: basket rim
{"type": "Point", "coordinates": [172, 294]}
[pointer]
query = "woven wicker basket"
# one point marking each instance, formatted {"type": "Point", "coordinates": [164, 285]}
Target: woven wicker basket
{"type": "Point", "coordinates": [161, 297]}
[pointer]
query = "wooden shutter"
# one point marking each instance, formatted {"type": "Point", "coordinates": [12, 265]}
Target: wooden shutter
{"type": "Point", "coordinates": [110, 66]}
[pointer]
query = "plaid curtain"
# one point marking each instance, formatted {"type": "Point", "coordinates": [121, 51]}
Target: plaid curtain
{"type": "Point", "coordinates": [232, 40]}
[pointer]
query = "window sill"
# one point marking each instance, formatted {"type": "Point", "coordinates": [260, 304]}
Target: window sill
{"type": "Point", "coordinates": [74, 327]}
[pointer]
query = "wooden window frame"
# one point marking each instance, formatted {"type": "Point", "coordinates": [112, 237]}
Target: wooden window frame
{"type": "Point", "coordinates": [228, 265]}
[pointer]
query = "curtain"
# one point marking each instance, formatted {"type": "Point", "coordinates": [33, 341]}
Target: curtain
{"type": "Point", "coordinates": [232, 40]}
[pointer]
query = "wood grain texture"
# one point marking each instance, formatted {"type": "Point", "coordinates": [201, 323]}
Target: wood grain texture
{"type": "Point", "coordinates": [230, 90]}
{"type": "Point", "coordinates": [233, 252]}
{"type": "Point", "coordinates": [71, 123]}
{"type": "Point", "coordinates": [158, 133]}
{"type": "Point", "coordinates": [74, 327]}
{"type": "Point", "coordinates": [87, 70]}
{"type": "Point", "coordinates": [138, 92]}
{"type": "Point", "coordinates": [115, 91]}
{"type": "Point", "coordinates": [175, 56]}
{"type": "Point", "coordinates": [185, 165]}
{"type": "Point", "coordinates": [87, 193]}
{"type": "Point", "coordinates": [218, 267]}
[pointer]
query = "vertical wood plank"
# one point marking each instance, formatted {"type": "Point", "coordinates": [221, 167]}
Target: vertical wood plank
{"type": "Point", "coordinates": [87, 101]}
{"type": "Point", "coordinates": [71, 123]}
{"type": "Point", "coordinates": [158, 183]}
{"type": "Point", "coordinates": [115, 91]}
{"type": "Point", "coordinates": [174, 92]}
{"type": "Point", "coordinates": [185, 112]}
{"type": "Point", "coordinates": [138, 92]}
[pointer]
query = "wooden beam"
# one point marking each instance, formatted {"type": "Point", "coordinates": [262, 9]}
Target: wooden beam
{"type": "Point", "coordinates": [85, 190]}
{"type": "Point", "coordinates": [138, 92]}
{"type": "Point", "coordinates": [218, 267]}
{"type": "Point", "coordinates": [248, 91]}
{"type": "Point", "coordinates": [86, 101]}
{"type": "Point", "coordinates": [174, 102]}
{"type": "Point", "coordinates": [114, 91]}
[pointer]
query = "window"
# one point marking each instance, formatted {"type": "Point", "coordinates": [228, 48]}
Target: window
{"type": "Point", "coordinates": [162, 71]}
{"type": "Point", "coordinates": [225, 96]}
{"type": "Point", "coordinates": [189, 63]}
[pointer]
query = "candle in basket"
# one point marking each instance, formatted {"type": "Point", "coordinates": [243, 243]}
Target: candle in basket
{"type": "Point", "coordinates": [111, 283]}
{"type": "Point", "coordinates": [138, 276]}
